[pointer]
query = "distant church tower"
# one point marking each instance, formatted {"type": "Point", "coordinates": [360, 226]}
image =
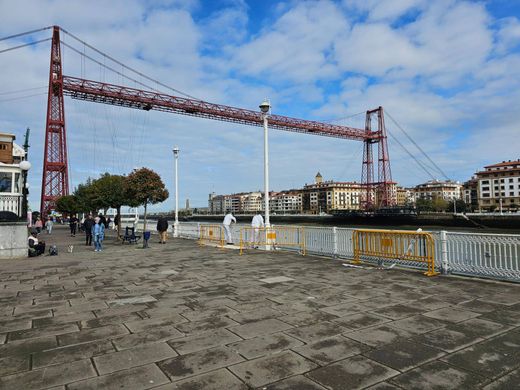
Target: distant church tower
{"type": "Point", "coordinates": [318, 178]}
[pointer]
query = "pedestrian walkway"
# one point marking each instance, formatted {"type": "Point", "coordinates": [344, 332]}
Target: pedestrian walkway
{"type": "Point", "coordinates": [184, 316]}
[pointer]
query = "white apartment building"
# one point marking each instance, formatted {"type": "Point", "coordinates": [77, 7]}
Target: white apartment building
{"type": "Point", "coordinates": [286, 202]}
{"type": "Point", "coordinates": [499, 186]}
{"type": "Point", "coordinates": [436, 189]}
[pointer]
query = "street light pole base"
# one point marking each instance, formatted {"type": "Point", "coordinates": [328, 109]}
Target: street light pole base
{"type": "Point", "coordinates": [176, 229]}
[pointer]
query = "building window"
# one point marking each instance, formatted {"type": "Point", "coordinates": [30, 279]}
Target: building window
{"type": "Point", "coordinates": [17, 184]}
{"type": "Point", "coordinates": [6, 180]}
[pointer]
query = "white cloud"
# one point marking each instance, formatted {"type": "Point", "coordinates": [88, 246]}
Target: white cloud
{"type": "Point", "coordinates": [295, 47]}
{"type": "Point", "coordinates": [446, 70]}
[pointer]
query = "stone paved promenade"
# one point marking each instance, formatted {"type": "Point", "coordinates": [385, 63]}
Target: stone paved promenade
{"type": "Point", "coordinates": [179, 316]}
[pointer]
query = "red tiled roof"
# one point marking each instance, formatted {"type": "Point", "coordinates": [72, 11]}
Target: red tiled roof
{"type": "Point", "coordinates": [503, 164]}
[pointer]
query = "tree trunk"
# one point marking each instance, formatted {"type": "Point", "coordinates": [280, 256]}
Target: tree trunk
{"type": "Point", "coordinates": [145, 243]}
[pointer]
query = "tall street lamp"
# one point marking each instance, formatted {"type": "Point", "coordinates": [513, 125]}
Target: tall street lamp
{"type": "Point", "coordinates": [176, 223]}
{"type": "Point", "coordinates": [265, 107]}
{"type": "Point", "coordinates": [24, 166]}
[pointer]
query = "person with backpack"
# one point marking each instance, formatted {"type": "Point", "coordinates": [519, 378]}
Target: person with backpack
{"type": "Point", "coordinates": [98, 233]}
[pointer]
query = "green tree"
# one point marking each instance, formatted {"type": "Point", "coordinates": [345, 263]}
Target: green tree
{"type": "Point", "coordinates": [109, 191]}
{"type": "Point", "coordinates": [460, 204]}
{"type": "Point", "coordinates": [439, 204]}
{"type": "Point", "coordinates": [68, 204]}
{"type": "Point", "coordinates": [424, 204]}
{"type": "Point", "coordinates": [144, 186]}
{"type": "Point", "coordinates": [85, 195]}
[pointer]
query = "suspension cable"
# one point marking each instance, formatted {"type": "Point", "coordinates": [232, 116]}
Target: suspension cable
{"type": "Point", "coordinates": [127, 67]}
{"type": "Point", "coordinates": [24, 45]}
{"type": "Point", "coordinates": [418, 147]}
{"type": "Point", "coordinates": [22, 97]}
{"type": "Point", "coordinates": [22, 90]}
{"type": "Point", "coordinates": [26, 33]}
{"type": "Point", "coordinates": [411, 155]}
{"type": "Point", "coordinates": [342, 119]}
{"type": "Point", "coordinates": [107, 67]}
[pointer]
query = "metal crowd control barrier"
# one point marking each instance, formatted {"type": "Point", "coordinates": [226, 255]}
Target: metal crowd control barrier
{"type": "Point", "coordinates": [211, 234]}
{"type": "Point", "coordinates": [400, 245]}
{"type": "Point", "coordinates": [274, 237]}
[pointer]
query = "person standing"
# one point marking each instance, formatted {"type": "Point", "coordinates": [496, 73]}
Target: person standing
{"type": "Point", "coordinates": [48, 225]}
{"type": "Point", "coordinates": [89, 222]}
{"type": "Point", "coordinates": [73, 225]}
{"type": "Point", "coordinates": [98, 233]}
{"type": "Point", "coordinates": [162, 228]}
{"type": "Point", "coordinates": [103, 219]}
{"type": "Point", "coordinates": [38, 224]}
{"type": "Point", "coordinates": [117, 221]}
{"type": "Point", "coordinates": [256, 224]}
{"type": "Point", "coordinates": [228, 220]}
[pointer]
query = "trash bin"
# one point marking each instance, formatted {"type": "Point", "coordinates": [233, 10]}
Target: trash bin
{"type": "Point", "coordinates": [146, 237]}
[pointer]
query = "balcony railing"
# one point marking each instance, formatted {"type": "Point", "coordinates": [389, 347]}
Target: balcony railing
{"type": "Point", "coordinates": [11, 203]}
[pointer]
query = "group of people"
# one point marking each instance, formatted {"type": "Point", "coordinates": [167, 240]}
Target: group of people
{"type": "Point", "coordinates": [38, 225]}
{"type": "Point", "coordinates": [94, 230]}
{"type": "Point", "coordinates": [256, 224]}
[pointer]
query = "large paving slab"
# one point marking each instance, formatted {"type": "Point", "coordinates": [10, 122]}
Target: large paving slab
{"type": "Point", "coordinates": [181, 316]}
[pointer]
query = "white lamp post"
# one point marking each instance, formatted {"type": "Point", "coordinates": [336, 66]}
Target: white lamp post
{"type": "Point", "coordinates": [265, 107]}
{"type": "Point", "coordinates": [176, 223]}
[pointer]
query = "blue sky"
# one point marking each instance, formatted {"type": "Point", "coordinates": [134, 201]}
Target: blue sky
{"type": "Point", "coordinates": [447, 71]}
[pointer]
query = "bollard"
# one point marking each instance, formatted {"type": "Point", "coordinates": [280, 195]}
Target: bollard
{"type": "Point", "coordinates": [444, 252]}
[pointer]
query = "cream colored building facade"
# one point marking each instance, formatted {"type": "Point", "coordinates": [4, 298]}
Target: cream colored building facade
{"type": "Point", "coordinates": [436, 189]}
{"type": "Point", "coordinates": [328, 196]}
{"type": "Point", "coordinates": [498, 186]}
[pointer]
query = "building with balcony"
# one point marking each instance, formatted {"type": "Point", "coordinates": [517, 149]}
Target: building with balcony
{"type": "Point", "coordinates": [436, 189]}
{"type": "Point", "coordinates": [405, 196]}
{"type": "Point", "coordinates": [499, 186]}
{"type": "Point", "coordinates": [470, 193]}
{"type": "Point", "coordinates": [11, 183]}
{"type": "Point", "coordinates": [286, 202]}
{"type": "Point", "coordinates": [328, 196]}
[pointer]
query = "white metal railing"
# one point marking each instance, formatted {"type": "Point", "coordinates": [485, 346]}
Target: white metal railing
{"type": "Point", "coordinates": [10, 203]}
{"type": "Point", "coordinates": [487, 255]}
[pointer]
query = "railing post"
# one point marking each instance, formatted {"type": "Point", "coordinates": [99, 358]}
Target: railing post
{"type": "Point", "coordinates": [444, 252]}
{"type": "Point", "coordinates": [335, 241]}
{"type": "Point", "coordinates": [198, 231]}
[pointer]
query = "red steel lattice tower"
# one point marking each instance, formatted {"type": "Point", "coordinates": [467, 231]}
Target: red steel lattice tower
{"type": "Point", "coordinates": [376, 194]}
{"type": "Point", "coordinates": [55, 178]}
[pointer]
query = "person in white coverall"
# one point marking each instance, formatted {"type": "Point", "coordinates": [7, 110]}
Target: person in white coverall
{"type": "Point", "coordinates": [228, 219]}
{"type": "Point", "coordinates": [256, 224]}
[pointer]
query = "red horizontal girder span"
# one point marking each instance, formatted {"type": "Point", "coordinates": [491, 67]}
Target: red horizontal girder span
{"type": "Point", "coordinates": [148, 100]}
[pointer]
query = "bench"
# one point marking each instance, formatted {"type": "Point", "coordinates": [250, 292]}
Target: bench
{"type": "Point", "coordinates": [130, 236]}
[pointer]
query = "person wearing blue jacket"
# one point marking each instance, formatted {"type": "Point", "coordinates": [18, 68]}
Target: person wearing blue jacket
{"type": "Point", "coordinates": [98, 233]}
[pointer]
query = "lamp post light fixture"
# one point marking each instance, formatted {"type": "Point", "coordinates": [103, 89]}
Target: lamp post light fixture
{"type": "Point", "coordinates": [25, 166]}
{"type": "Point", "coordinates": [176, 223]}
